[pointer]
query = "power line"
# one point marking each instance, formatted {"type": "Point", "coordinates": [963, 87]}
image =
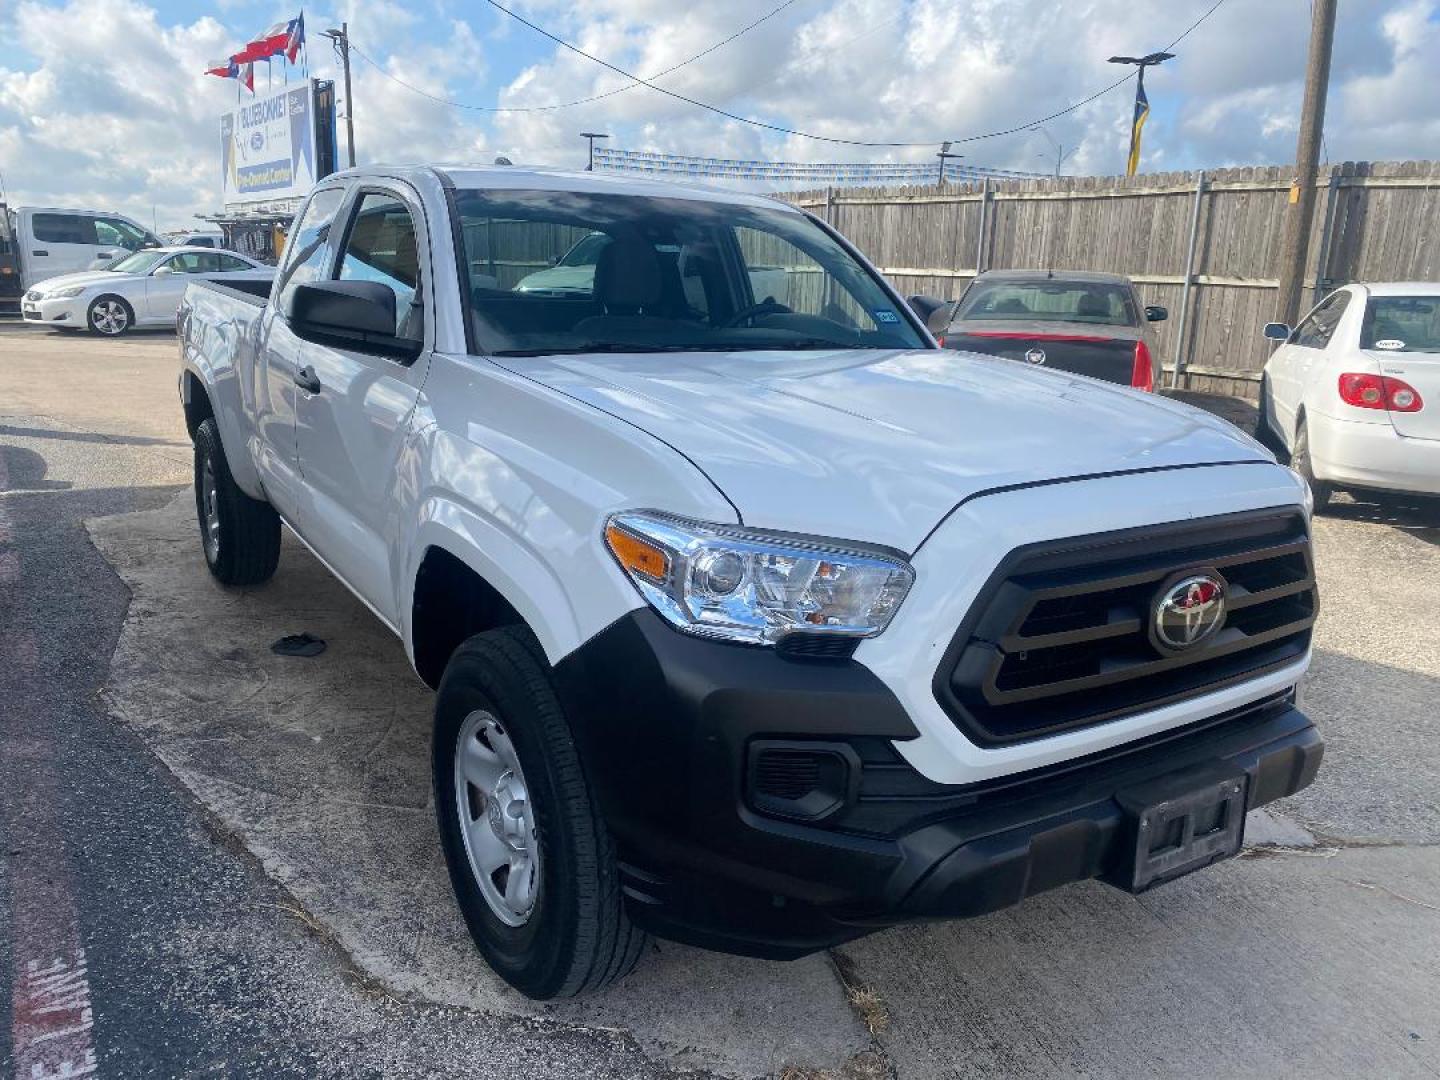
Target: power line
{"type": "Point", "coordinates": [585, 100]}
{"type": "Point", "coordinates": [636, 80]}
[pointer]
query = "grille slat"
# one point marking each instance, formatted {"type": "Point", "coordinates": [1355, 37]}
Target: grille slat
{"type": "Point", "coordinates": [1059, 637]}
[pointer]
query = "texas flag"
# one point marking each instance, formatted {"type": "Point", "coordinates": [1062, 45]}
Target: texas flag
{"type": "Point", "coordinates": [225, 69]}
{"type": "Point", "coordinates": [296, 38]}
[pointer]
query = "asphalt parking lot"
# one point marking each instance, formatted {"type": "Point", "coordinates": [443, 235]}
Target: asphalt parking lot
{"type": "Point", "coordinates": [231, 854]}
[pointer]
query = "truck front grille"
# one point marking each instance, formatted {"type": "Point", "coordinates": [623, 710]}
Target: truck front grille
{"type": "Point", "coordinates": [1059, 637]}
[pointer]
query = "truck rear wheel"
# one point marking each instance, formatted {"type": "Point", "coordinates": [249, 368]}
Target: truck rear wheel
{"type": "Point", "coordinates": [240, 535]}
{"type": "Point", "coordinates": [530, 859]}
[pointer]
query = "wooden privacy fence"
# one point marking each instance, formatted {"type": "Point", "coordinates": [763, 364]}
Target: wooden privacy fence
{"type": "Point", "coordinates": [1205, 245]}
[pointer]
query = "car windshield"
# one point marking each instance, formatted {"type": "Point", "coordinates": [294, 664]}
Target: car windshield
{"type": "Point", "coordinates": [1049, 300]}
{"type": "Point", "coordinates": [139, 263]}
{"type": "Point", "coordinates": [1402, 324]}
{"type": "Point", "coordinates": [565, 271]}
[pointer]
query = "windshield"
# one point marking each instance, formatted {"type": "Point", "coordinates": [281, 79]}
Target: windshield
{"type": "Point", "coordinates": [1402, 324]}
{"type": "Point", "coordinates": [1049, 301]}
{"type": "Point", "coordinates": [647, 274]}
{"type": "Point", "coordinates": [139, 263]}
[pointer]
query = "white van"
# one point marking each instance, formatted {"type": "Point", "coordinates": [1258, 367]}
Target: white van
{"type": "Point", "coordinates": [50, 241]}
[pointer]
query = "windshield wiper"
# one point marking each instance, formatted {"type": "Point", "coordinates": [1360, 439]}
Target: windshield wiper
{"type": "Point", "coordinates": [595, 347]}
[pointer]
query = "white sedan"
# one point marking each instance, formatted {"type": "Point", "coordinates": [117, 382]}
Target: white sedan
{"type": "Point", "coordinates": [144, 289]}
{"type": "Point", "coordinates": [1353, 392]}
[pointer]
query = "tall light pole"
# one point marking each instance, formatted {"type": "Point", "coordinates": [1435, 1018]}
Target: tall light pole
{"type": "Point", "coordinates": [1142, 103]}
{"type": "Point", "coordinates": [1060, 153]}
{"type": "Point", "coordinates": [945, 155]}
{"type": "Point", "coordinates": [1295, 229]}
{"type": "Point", "coordinates": [341, 38]}
{"type": "Point", "coordinates": [590, 137]}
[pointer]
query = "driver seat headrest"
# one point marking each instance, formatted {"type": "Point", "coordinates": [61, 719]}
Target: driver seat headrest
{"type": "Point", "coordinates": [627, 275]}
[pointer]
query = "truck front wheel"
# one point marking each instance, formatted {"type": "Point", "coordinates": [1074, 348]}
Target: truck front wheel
{"type": "Point", "coordinates": [240, 535]}
{"type": "Point", "coordinates": [530, 859]}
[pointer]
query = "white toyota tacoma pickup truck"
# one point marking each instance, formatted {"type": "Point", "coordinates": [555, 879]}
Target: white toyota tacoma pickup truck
{"type": "Point", "coordinates": [754, 623]}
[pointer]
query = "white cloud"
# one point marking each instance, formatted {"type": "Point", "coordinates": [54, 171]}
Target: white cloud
{"type": "Point", "coordinates": [134, 125]}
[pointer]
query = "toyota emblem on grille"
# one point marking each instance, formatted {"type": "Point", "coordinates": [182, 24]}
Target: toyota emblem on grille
{"type": "Point", "coordinates": [1035, 356]}
{"type": "Point", "coordinates": [1188, 612]}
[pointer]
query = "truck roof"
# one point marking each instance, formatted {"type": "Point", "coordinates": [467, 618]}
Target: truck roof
{"type": "Point", "coordinates": [532, 178]}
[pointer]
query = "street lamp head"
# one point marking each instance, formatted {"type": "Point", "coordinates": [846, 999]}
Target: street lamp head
{"type": "Point", "coordinates": [1148, 60]}
{"type": "Point", "coordinates": [593, 135]}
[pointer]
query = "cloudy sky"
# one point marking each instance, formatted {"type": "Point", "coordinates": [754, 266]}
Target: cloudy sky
{"type": "Point", "coordinates": [103, 102]}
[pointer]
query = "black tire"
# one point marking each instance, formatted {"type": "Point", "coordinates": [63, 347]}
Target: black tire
{"type": "Point", "coordinates": [1265, 433]}
{"type": "Point", "coordinates": [109, 301]}
{"type": "Point", "coordinates": [577, 937]}
{"type": "Point", "coordinates": [242, 543]}
{"type": "Point", "coordinates": [1300, 462]}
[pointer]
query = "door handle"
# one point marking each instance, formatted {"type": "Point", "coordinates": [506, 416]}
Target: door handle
{"type": "Point", "coordinates": [40, 251]}
{"type": "Point", "coordinates": [307, 380]}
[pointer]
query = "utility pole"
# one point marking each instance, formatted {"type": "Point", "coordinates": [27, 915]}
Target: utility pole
{"type": "Point", "coordinates": [590, 137]}
{"type": "Point", "coordinates": [1295, 234]}
{"type": "Point", "coordinates": [945, 155]}
{"type": "Point", "coordinates": [341, 38]}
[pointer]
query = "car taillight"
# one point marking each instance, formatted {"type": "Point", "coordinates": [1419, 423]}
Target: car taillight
{"type": "Point", "coordinates": [1379, 392]}
{"type": "Point", "coordinates": [1142, 373]}
{"type": "Point", "coordinates": [940, 340]}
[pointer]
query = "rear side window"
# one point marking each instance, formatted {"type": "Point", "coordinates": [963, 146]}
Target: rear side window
{"type": "Point", "coordinates": [1049, 300]}
{"type": "Point", "coordinates": [229, 264]}
{"type": "Point", "coordinates": [1402, 324]}
{"type": "Point", "coordinates": [63, 229]}
{"type": "Point", "coordinates": [1315, 332]}
{"type": "Point", "coordinates": [382, 247]}
{"type": "Point", "coordinates": [307, 254]}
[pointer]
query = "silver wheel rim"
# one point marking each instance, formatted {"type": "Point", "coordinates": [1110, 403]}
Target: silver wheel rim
{"type": "Point", "coordinates": [109, 317]}
{"type": "Point", "coordinates": [496, 819]}
{"type": "Point", "coordinates": [210, 508]}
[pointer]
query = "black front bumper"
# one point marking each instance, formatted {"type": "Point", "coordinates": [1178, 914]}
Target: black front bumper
{"type": "Point", "coordinates": [667, 724]}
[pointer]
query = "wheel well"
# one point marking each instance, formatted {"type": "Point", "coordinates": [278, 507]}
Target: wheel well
{"type": "Point", "coordinates": [452, 602]}
{"type": "Point", "coordinates": [197, 404]}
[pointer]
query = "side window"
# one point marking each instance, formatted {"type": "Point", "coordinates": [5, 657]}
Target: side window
{"type": "Point", "coordinates": [229, 264]}
{"type": "Point", "coordinates": [188, 262]}
{"type": "Point", "coordinates": [381, 246]}
{"type": "Point", "coordinates": [307, 254]}
{"type": "Point", "coordinates": [121, 233]}
{"type": "Point", "coordinates": [63, 229]}
{"type": "Point", "coordinates": [1316, 330]}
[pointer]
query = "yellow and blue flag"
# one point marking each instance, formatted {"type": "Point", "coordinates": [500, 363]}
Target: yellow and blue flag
{"type": "Point", "coordinates": [1142, 110]}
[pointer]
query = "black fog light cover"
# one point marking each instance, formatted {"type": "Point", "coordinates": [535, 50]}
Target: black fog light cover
{"type": "Point", "coordinates": [803, 781]}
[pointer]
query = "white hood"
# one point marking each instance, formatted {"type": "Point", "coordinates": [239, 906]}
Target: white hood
{"type": "Point", "coordinates": [87, 277]}
{"type": "Point", "coordinates": [878, 446]}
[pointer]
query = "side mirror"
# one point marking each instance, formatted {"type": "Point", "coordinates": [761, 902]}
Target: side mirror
{"type": "Point", "coordinates": [924, 306]}
{"type": "Point", "coordinates": [357, 315]}
{"type": "Point", "coordinates": [1277, 331]}
{"type": "Point", "coordinates": [162, 271]}
{"type": "Point", "coordinates": [1156, 313]}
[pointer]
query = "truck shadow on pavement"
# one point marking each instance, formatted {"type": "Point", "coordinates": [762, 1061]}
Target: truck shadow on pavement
{"type": "Point", "coordinates": [320, 767]}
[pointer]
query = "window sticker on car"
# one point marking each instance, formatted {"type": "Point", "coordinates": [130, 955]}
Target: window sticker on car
{"type": "Point", "coordinates": [885, 315]}
{"type": "Point", "coordinates": [1391, 344]}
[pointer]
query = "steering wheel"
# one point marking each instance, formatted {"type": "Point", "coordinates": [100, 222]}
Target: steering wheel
{"type": "Point", "coordinates": [768, 306]}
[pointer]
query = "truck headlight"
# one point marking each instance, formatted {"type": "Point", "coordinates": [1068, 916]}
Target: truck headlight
{"type": "Point", "coordinates": [738, 584]}
{"type": "Point", "coordinates": [67, 293]}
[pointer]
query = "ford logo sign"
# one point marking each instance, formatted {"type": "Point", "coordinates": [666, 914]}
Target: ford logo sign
{"type": "Point", "coordinates": [1188, 612]}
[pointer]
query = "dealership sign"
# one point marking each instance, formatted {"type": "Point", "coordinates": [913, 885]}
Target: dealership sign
{"type": "Point", "coordinates": [268, 146]}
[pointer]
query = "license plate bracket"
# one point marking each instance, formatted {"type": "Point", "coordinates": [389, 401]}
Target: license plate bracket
{"type": "Point", "coordinates": [1180, 823]}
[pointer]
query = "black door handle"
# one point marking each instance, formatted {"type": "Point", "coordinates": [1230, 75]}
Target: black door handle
{"type": "Point", "coordinates": [39, 251]}
{"type": "Point", "coordinates": [307, 380]}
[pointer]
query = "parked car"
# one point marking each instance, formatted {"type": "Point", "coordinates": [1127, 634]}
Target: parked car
{"type": "Point", "coordinates": [51, 242]}
{"type": "Point", "coordinates": [1085, 323]}
{"type": "Point", "coordinates": [1353, 392]}
{"type": "Point", "coordinates": [209, 238]}
{"type": "Point", "coordinates": [142, 290]}
{"type": "Point", "coordinates": [758, 626]}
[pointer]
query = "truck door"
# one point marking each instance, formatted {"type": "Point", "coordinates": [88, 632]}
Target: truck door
{"type": "Point", "coordinates": [277, 359]}
{"type": "Point", "coordinates": [54, 243]}
{"type": "Point", "coordinates": [351, 423]}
